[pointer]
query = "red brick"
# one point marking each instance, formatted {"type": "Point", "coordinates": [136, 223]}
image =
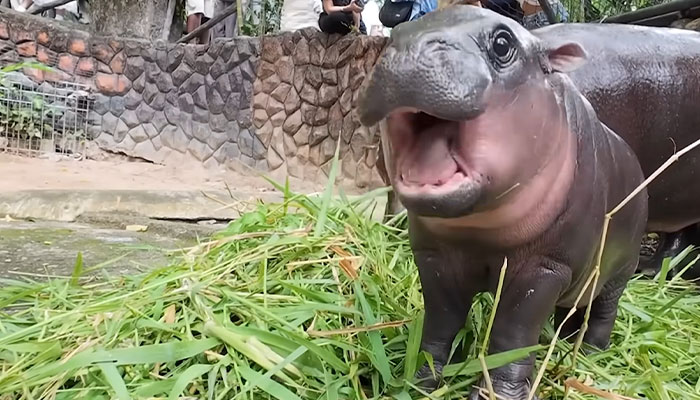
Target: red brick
{"type": "Point", "coordinates": [77, 47]}
{"type": "Point", "coordinates": [43, 38]}
{"type": "Point", "coordinates": [86, 66]}
{"type": "Point", "coordinates": [56, 76]}
{"type": "Point", "coordinates": [112, 84]}
{"type": "Point", "coordinates": [20, 35]}
{"type": "Point", "coordinates": [118, 63]}
{"type": "Point", "coordinates": [36, 75]}
{"type": "Point", "coordinates": [4, 33]}
{"type": "Point", "coordinates": [67, 62]}
{"type": "Point", "coordinates": [27, 49]}
{"type": "Point", "coordinates": [45, 56]}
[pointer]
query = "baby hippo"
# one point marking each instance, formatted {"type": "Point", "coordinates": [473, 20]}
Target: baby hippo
{"type": "Point", "coordinates": [495, 153]}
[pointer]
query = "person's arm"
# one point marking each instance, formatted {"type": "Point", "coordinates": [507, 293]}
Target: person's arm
{"type": "Point", "coordinates": [356, 19]}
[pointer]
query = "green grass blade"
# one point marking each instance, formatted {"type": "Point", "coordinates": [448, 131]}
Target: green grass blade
{"type": "Point", "coordinates": [492, 361]}
{"type": "Point", "coordinates": [378, 354]}
{"type": "Point", "coordinates": [189, 375]}
{"type": "Point", "coordinates": [326, 200]}
{"type": "Point", "coordinates": [115, 381]}
{"type": "Point", "coordinates": [271, 387]}
{"type": "Point", "coordinates": [413, 347]}
{"type": "Point", "coordinates": [77, 269]}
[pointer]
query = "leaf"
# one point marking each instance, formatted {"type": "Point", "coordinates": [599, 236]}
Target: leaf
{"type": "Point", "coordinates": [115, 381]}
{"type": "Point", "coordinates": [378, 354]}
{"type": "Point", "coordinates": [347, 263]}
{"type": "Point", "coordinates": [326, 199]}
{"type": "Point", "coordinates": [492, 361]}
{"type": "Point", "coordinates": [77, 270]}
{"type": "Point", "coordinates": [271, 387]}
{"type": "Point", "coordinates": [415, 331]}
{"type": "Point", "coordinates": [169, 316]}
{"type": "Point", "coordinates": [136, 228]}
{"type": "Point", "coordinates": [189, 375]}
{"type": "Point", "coordinates": [149, 354]}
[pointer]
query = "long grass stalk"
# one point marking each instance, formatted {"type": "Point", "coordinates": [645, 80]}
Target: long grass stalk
{"type": "Point", "coordinates": [595, 273]}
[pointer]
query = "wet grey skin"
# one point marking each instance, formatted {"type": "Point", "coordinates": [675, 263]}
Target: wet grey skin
{"type": "Point", "coordinates": [496, 154]}
{"type": "Point", "coordinates": [644, 83]}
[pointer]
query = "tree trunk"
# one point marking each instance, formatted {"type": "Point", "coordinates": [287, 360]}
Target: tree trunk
{"type": "Point", "coordinates": [128, 18]}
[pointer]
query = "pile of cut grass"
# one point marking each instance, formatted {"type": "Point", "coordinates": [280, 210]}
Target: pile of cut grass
{"type": "Point", "coordinates": [302, 300]}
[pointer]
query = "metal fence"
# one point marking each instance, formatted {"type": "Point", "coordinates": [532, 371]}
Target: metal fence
{"type": "Point", "coordinates": [575, 10]}
{"type": "Point", "coordinates": [49, 118]}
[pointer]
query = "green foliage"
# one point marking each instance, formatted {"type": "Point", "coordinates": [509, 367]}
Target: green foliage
{"type": "Point", "coordinates": [264, 20]}
{"type": "Point", "coordinates": [595, 10]}
{"type": "Point", "coordinates": [308, 299]}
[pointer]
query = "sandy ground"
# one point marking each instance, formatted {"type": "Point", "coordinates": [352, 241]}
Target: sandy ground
{"type": "Point", "coordinates": [25, 173]}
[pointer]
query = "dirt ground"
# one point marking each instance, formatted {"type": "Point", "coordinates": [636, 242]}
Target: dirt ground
{"type": "Point", "coordinates": [25, 173]}
{"type": "Point", "coordinates": [40, 247]}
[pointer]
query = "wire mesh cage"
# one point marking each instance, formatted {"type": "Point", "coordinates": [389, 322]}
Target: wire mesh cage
{"type": "Point", "coordinates": [52, 117]}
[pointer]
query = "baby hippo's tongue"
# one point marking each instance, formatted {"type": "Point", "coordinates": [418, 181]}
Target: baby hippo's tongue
{"type": "Point", "coordinates": [428, 161]}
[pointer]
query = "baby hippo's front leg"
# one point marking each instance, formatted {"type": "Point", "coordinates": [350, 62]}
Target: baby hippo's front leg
{"type": "Point", "coordinates": [528, 298]}
{"type": "Point", "coordinates": [447, 300]}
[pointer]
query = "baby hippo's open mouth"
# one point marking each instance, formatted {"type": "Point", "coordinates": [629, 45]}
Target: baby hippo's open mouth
{"type": "Point", "coordinates": [431, 177]}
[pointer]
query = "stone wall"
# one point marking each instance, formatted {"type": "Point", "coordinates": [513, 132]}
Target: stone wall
{"type": "Point", "coordinates": [279, 104]}
{"type": "Point", "coordinates": [164, 102]}
{"type": "Point", "coordinates": [305, 92]}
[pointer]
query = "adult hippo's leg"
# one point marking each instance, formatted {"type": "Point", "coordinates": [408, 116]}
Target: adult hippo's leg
{"type": "Point", "coordinates": [672, 244]}
{"type": "Point", "coordinates": [521, 313]}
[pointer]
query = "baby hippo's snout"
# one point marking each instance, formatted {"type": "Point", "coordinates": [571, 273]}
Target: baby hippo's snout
{"type": "Point", "coordinates": [426, 72]}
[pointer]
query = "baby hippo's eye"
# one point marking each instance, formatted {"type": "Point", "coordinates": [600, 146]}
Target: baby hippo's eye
{"type": "Point", "coordinates": [503, 47]}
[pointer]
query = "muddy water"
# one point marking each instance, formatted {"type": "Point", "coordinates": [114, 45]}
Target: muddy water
{"type": "Point", "coordinates": [38, 250]}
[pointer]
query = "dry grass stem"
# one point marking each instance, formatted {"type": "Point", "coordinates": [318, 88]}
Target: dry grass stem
{"type": "Point", "coordinates": [593, 278]}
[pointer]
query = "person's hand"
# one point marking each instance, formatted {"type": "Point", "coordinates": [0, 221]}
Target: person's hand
{"type": "Point", "coordinates": [353, 7]}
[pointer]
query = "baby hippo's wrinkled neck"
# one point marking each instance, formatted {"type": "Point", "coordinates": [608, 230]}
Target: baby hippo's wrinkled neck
{"type": "Point", "coordinates": [539, 164]}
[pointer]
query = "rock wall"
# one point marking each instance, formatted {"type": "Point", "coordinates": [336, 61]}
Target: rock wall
{"type": "Point", "coordinates": [166, 102]}
{"type": "Point", "coordinates": [278, 104]}
{"type": "Point", "coordinates": [305, 92]}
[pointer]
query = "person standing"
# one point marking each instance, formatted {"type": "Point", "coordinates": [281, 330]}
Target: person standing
{"type": "Point", "coordinates": [198, 13]}
{"type": "Point", "coordinates": [226, 28]}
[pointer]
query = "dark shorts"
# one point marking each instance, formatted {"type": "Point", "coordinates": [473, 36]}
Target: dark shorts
{"type": "Point", "coordinates": [338, 22]}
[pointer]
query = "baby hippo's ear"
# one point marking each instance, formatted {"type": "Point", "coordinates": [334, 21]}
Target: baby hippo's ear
{"type": "Point", "coordinates": [567, 57]}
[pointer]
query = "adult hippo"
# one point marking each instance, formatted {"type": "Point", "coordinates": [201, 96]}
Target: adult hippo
{"type": "Point", "coordinates": [644, 83]}
{"type": "Point", "coordinates": [496, 154]}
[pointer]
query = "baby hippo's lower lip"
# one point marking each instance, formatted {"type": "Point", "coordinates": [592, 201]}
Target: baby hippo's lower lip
{"type": "Point", "coordinates": [450, 185]}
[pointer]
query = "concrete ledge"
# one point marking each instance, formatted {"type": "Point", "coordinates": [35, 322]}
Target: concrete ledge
{"type": "Point", "coordinates": [67, 206]}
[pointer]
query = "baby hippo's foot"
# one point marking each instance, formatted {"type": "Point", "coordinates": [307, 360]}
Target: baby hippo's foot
{"type": "Point", "coordinates": [426, 380]}
{"type": "Point", "coordinates": [505, 390]}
